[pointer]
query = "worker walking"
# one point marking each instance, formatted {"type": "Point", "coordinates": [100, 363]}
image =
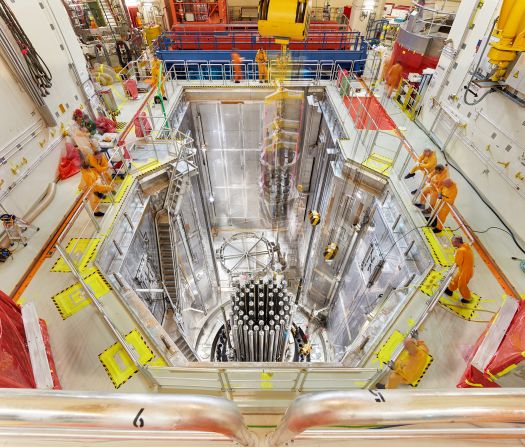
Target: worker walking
{"type": "Point", "coordinates": [262, 65]}
{"type": "Point", "coordinates": [432, 186]}
{"type": "Point", "coordinates": [426, 162]}
{"type": "Point", "coordinates": [393, 78]}
{"type": "Point", "coordinates": [447, 194]}
{"type": "Point", "coordinates": [464, 260]}
{"type": "Point", "coordinates": [237, 67]}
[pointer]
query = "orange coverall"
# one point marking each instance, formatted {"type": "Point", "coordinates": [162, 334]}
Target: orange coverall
{"type": "Point", "coordinates": [393, 77]}
{"type": "Point", "coordinates": [449, 196]}
{"type": "Point", "coordinates": [465, 261]}
{"type": "Point", "coordinates": [91, 178]}
{"type": "Point", "coordinates": [99, 162]}
{"type": "Point", "coordinates": [425, 163]}
{"type": "Point", "coordinates": [430, 191]}
{"type": "Point", "coordinates": [409, 367]}
{"type": "Point", "coordinates": [237, 67]}
{"type": "Point", "coordinates": [262, 61]}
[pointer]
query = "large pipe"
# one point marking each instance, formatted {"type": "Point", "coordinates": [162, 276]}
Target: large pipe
{"type": "Point", "coordinates": [75, 416]}
{"type": "Point", "coordinates": [34, 211]}
{"type": "Point", "coordinates": [393, 407]}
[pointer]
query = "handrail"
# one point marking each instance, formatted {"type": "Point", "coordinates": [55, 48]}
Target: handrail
{"type": "Point", "coordinates": [396, 407]}
{"type": "Point", "coordinates": [84, 415]}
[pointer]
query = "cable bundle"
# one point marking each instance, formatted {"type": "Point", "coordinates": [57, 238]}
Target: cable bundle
{"type": "Point", "coordinates": [37, 67]}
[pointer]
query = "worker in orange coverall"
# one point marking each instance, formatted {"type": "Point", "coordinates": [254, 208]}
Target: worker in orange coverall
{"type": "Point", "coordinates": [432, 186]}
{"type": "Point", "coordinates": [464, 260]}
{"type": "Point", "coordinates": [262, 65]}
{"type": "Point", "coordinates": [410, 365]}
{"type": "Point", "coordinates": [99, 162]}
{"type": "Point", "coordinates": [426, 162]}
{"type": "Point", "coordinates": [447, 194]}
{"type": "Point", "coordinates": [90, 181]}
{"type": "Point", "coordinates": [393, 78]}
{"type": "Point", "coordinates": [237, 67]}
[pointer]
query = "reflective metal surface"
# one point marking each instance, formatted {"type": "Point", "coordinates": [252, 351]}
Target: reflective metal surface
{"type": "Point", "coordinates": [63, 416]}
{"type": "Point", "coordinates": [378, 408]}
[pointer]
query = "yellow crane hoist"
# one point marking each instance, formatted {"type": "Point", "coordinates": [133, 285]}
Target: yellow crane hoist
{"type": "Point", "coordinates": [284, 20]}
{"type": "Point", "coordinates": [510, 30]}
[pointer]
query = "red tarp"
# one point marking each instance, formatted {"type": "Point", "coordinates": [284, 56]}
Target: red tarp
{"type": "Point", "coordinates": [512, 348]}
{"type": "Point", "coordinates": [375, 119]}
{"type": "Point", "coordinates": [15, 363]}
{"type": "Point", "coordinates": [510, 352]}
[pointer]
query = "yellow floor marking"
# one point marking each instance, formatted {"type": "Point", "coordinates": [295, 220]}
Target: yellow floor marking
{"type": "Point", "coordinates": [385, 352]}
{"type": "Point", "coordinates": [157, 362]}
{"type": "Point", "coordinates": [73, 299]}
{"type": "Point", "coordinates": [117, 363]}
{"type": "Point", "coordinates": [462, 310]}
{"type": "Point", "coordinates": [84, 248]}
{"type": "Point", "coordinates": [428, 362]}
{"type": "Point", "coordinates": [443, 255]}
{"type": "Point", "coordinates": [431, 283]}
{"type": "Point", "coordinates": [124, 185]}
{"type": "Point", "coordinates": [379, 163]}
{"type": "Point", "coordinates": [147, 166]}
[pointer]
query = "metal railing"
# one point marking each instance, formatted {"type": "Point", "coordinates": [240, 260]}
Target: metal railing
{"type": "Point", "coordinates": [76, 418]}
{"type": "Point", "coordinates": [305, 72]}
{"type": "Point", "coordinates": [471, 414]}
{"type": "Point", "coordinates": [29, 416]}
{"type": "Point", "coordinates": [250, 40]}
{"type": "Point", "coordinates": [278, 380]}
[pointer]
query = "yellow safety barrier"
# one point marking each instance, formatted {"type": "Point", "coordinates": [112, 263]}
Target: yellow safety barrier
{"type": "Point", "coordinates": [408, 98]}
{"type": "Point", "coordinates": [117, 363]}
{"type": "Point", "coordinates": [87, 247]}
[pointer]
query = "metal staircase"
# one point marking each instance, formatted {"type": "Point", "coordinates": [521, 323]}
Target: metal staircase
{"type": "Point", "coordinates": [182, 169]}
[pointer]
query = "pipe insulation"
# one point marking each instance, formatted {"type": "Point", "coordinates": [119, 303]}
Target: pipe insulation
{"type": "Point", "coordinates": [34, 211]}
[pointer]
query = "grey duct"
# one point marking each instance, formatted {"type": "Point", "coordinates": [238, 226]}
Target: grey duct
{"type": "Point", "coordinates": [34, 211]}
{"type": "Point", "coordinates": [14, 59]}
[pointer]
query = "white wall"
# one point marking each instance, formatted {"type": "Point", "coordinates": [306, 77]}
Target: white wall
{"type": "Point", "coordinates": [496, 121]}
{"type": "Point", "coordinates": [18, 113]}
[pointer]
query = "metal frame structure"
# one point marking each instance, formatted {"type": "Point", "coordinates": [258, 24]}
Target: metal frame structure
{"type": "Point", "coordinates": [217, 46]}
{"type": "Point", "coordinates": [363, 141]}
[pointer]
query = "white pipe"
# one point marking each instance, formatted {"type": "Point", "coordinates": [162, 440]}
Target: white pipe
{"type": "Point", "coordinates": [66, 415]}
{"type": "Point", "coordinates": [34, 211]}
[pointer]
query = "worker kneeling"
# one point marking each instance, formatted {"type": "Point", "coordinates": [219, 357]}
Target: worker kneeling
{"type": "Point", "coordinates": [410, 365]}
{"type": "Point", "coordinates": [426, 163]}
{"type": "Point", "coordinates": [433, 185]}
{"type": "Point", "coordinates": [464, 260]}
